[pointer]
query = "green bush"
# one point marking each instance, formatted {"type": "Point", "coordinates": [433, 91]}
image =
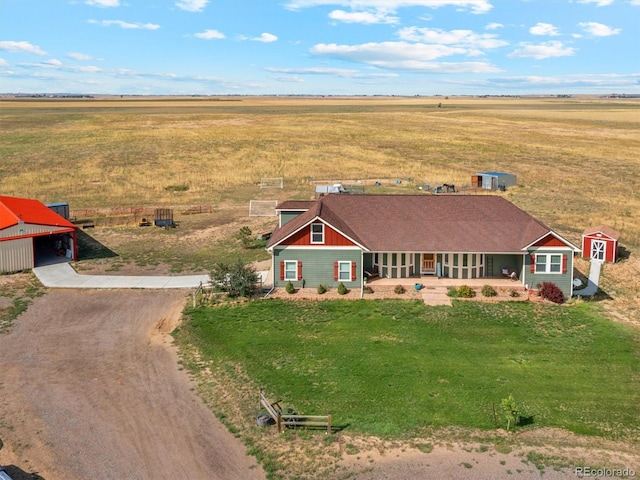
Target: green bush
{"type": "Point", "coordinates": [235, 278]}
{"type": "Point", "coordinates": [452, 292]}
{"type": "Point", "coordinates": [399, 289]}
{"type": "Point", "coordinates": [465, 291]}
{"type": "Point", "coordinates": [367, 289]}
{"type": "Point", "coordinates": [513, 293]}
{"type": "Point", "coordinates": [322, 289]}
{"type": "Point", "coordinates": [489, 291]}
{"type": "Point", "coordinates": [342, 290]}
{"type": "Point", "coordinates": [290, 288]}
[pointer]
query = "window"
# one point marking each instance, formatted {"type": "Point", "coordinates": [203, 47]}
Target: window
{"type": "Point", "coordinates": [344, 271]}
{"type": "Point", "coordinates": [291, 270]}
{"type": "Point", "coordinates": [549, 263]}
{"type": "Point", "coordinates": [317, 233]}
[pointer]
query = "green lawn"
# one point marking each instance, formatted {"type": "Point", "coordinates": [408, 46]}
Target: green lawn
{"type": "Point", "coordinates": [392, 367]}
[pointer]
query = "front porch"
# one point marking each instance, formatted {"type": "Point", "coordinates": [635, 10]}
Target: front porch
{"type": "Point", "coordinates": [430, 281]}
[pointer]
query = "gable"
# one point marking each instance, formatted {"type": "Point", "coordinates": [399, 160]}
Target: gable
{"type": "Point", "coordinates": [549, 241]}
{"type": "Point", "coordinates": [332, 238]}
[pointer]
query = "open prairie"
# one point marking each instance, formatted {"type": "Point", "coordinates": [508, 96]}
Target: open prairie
{"type": "Point", "coordinates": [577, 160]}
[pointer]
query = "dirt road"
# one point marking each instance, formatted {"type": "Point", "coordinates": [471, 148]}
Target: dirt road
{"type": "Point", "coordinates": [90, 388]}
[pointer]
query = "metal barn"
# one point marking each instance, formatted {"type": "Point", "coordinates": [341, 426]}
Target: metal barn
{"type": "Point", "coordinates": [493, 180]}
{"type": "Point", "coordinates": [600, 243]}
{"type": "Point", "coordinates": [32, 234]}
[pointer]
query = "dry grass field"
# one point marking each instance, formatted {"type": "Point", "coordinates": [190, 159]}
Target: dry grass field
{"type": "Point", "coordinates": [577, 162]}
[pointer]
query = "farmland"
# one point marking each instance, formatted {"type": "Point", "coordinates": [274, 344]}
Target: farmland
{"type": "Point", "coordinates": [577, 162]}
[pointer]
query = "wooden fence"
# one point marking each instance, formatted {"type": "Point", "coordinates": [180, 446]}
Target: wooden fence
{"type": "Point", "coordinates": [286, 420]}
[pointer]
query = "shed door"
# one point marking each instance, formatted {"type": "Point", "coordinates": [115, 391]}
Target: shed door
{"type": "Point", "coordinates": [597, 249]}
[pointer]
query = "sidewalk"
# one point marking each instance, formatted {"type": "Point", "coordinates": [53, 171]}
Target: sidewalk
{"type": "Point", "coordinates": [61, 275]}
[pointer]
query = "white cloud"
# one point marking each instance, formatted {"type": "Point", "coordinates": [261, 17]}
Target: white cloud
{"type": "Point", "coordinates": [21, 47]}
{"type": "Point", "coordinates": [599, 3]}
{"type": "Point", "coordinates": [466, 38]}
{"type": "Point", "coordinates": [125, 25]}
{"type": "Point", "coordinates": [210, 35]}
{"type": "Point", "coordinates": [476, 6]}
{"type": "Point", "coordinates": [403, 56]}
{"type": "Point", "coordinates": [192, 5]}
{"type": "Point", "coordinates": [338, 72]}
{"type": "Point", "coordinates": [494, 26]}
{"type": "Point", "coordinates": [79, 56]}
{"type": "Point", "coordinates": [265, 38]}
{"type": "Point", "coordinates": [103, 3]}
{"type": "Point", "coordinates": [598, 29]}
{"type": "Point", "coordinates": [542, 50]}
{"type": "Point", "coordinates": [3, 63]}
{"type": "Point", "coordinates": [367, 18]}
{"type": "Point", "coordinates": [53, 62]}
{"type": "Point", "coordinates": [544, 29]}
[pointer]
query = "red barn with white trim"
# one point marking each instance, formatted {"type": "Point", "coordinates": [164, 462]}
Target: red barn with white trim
{"type": "Point", "coordinates": [600, 243]}
{"type": "Point", "coordinates": [30, 231]}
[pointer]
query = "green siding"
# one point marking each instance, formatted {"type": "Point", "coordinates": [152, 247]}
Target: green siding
{"type": "Point", "coordinates": [286, 217]}
{"type": "Point", "coordinates": [562, 280]}
{"type": "Point", "coordinates": [317, 265]}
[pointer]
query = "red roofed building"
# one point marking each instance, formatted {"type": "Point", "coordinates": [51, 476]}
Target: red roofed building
{"type": "Point", "coordinates": [340, 238]}
{"type": "Point", "coordinates": [600, 243]}
{"type": "Point", "coordinates": [29, 230]}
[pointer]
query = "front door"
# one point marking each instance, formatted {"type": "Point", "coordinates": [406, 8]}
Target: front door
{"type": "Point", "coordinates": [428, 262]}
{"type": "Point", "coordinates": [597, 249]}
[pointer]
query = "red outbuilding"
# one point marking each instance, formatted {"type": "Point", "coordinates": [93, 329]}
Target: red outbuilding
{"type": "Point", "coordinates": [31, 234]}
{"type": "Point", "coordinates": [600, 243]}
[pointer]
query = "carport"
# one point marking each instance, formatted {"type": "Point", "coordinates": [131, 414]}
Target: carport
{"type": "Point", "coordinates": [33, 235]}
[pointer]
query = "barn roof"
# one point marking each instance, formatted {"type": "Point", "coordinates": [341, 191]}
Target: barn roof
{"type": "Point", "coordinates": [455, 223]}
{"type": "Point", "coordinates": [14, 210]}
{"type": "Point", "coordinates": [608, 231]}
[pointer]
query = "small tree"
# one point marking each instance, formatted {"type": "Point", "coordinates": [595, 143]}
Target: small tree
{"type": "Point", "coordinates": [235, 278]}
{"type": "Point", "coordinates": [342, 290]}
{"type": "Point", "coordinates": [321, 289]}
{"type": "Point", "coordinates": [511, 411]}
{"type": "Point", "coordinates": [290, 288]}
{"type": "Point", "coordinates": [245, 235]}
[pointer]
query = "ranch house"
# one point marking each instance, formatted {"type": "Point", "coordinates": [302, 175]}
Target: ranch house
{"type": "Point", "coordinates": [348, 238]}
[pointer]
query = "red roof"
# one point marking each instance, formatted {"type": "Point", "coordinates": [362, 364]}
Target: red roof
{"type": "Point", "coordinates": [14, 210]}
{"type": "Point", "coordinates": [454, 223]}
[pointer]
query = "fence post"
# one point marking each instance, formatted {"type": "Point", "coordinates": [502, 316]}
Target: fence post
{"type": "Point", "coordinates": [260, 399]}
{"type": "Point", "coordinates": [329, 423]}
{"type": "Point", "coordinates": [279, 422]}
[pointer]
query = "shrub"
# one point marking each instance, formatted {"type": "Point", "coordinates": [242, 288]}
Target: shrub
{"type": "Point", "coordinates": [489, 291]}
{"type": "Point", "coordinates": [452, 292]}
{"type": "Point", "coordinates": [550, 291]}
{"type": "Point", "coordinates": [290, 288]}
{"type": "Point", "coordinates": [465, 291]}
{"type": "Point", "coordinates": [399, 289]}
{"type": "Point", "coordinates": [322, 289]}
{"type": "Point", "coordinates": [342, 290]}
{"type": "Point", "coordinates": [367, 289]}
{"type": "Point", "coordinates": [511, 411]}
{"type": "Point", "coordinates": [235, 278]}
{"type": "Point", "coordinates": [513, 293]}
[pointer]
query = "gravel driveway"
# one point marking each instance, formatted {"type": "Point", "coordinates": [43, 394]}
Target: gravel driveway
{"type": "Point", "coordinates": [90, 388]}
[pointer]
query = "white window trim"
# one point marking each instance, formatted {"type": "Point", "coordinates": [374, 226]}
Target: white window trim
{"type": "Point", "coordinates": [547, 263]}
{"type": "Point", "coordinates": [348, 272]}
{"type": "Point", "coordinates": [295, 270]}
{"type": "Point", "coordinates": [316, 233]}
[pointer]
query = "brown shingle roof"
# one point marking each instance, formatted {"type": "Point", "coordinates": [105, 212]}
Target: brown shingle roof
{"type": "Point", "coordinates": [608, 231]}
{"type": "Point", "coordinates": [436, 223]}
{"type": "Point", "coordinates": [296, 205]}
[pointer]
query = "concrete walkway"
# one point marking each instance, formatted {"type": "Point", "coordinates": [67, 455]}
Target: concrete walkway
{"type": "Point", "coordinates": [61, 275]}
{"type": "Point", "coordinates": [433, 296]}
{"type": "Point", "coordinates": [592, 283]}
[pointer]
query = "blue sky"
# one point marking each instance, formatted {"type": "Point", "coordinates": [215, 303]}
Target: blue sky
{"type": "Point", "coordinates": [326, 47]}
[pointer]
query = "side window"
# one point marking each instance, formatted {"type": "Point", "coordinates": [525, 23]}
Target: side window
{"type": "Point", "coordinates": [541, 263]}
{"type": "Point", "coordinates": [344, 271]}
{"type": "Point", "coordinates": [317, 233]}
{"type": "Point", "coordinates": [555, 265]}
{"type": "Point", "coordinates": [291, 270]}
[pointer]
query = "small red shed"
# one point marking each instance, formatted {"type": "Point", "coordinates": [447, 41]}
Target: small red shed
{"type": "Point", "coordinates": [600, 243]}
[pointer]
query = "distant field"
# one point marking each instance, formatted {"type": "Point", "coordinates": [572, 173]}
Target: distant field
{"type": "Point", "coordinates": [577, 160]}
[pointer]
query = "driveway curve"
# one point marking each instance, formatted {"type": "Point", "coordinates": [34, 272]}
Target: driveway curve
{"type": "Point", "coordinates": [91, 388]}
